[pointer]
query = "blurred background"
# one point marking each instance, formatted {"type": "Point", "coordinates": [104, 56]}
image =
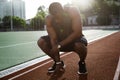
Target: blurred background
{"type": "Point", "coordinates": [29, 15]}
{"type": "Point", "coordinates": [22, 23]}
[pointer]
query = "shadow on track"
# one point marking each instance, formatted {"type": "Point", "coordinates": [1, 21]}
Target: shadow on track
{"type": "Point", "coordinates": [56, 76]}
{"type": "Point", "coordinates": [83, 77]}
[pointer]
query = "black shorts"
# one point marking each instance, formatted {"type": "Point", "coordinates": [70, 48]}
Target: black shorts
{"type": "Point", "coordinates": [68, 47]}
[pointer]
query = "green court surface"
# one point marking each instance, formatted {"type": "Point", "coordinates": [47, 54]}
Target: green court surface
{"type": "Point", "coordinates": [20, 47]}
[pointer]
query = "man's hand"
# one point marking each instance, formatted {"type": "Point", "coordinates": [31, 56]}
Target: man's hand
{"type": "Point", "coordinates": [55, 49]}
{"type": "Point", "coordinates": [55, 52]}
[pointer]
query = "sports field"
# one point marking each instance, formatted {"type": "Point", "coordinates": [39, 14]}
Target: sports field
{"type": "Point", "coordinates": [20, 47]}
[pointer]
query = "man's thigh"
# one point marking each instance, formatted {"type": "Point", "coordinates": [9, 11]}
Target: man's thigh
{"type": "Point", "coordinates": [67, 48]}
{"type": "Point", "coordinates": [82, 41]}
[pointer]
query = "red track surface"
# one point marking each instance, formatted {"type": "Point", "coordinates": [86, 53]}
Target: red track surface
{"type": "Point", "coordinates": [102, 60]}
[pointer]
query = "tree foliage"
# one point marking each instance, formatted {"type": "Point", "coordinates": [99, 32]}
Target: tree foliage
{"type": "Point", "coordinates": [0, 23]}
{"type": "Point", "coordinates": [17, 22]}
{"type": "Point", "coordinates": [6, 21]}
{"type": "Point", "coordinates": [104, 9]}
{"type": "Point", "coordinates": [107, 7]}
{"type": "Point", "coordinates": [103, 20]}
{"type": "Point", "coordinates": [38, 21]}
{"type": "Point", "coordinates": [0, 19]}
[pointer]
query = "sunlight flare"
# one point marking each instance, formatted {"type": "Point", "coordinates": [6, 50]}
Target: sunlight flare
{"type": "Point", "coordinates": [83, 3]}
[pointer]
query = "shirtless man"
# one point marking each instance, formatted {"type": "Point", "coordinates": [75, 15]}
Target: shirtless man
{"type": "Point", "coordinates": [64, 29]}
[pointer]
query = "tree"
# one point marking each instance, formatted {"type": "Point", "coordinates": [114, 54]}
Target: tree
{"type": "Point", "coordinates": [38, 21]}
{"type": "Point", "coordinates": [107, 7]}
{"type": "Point", "coordinates": [41, 11]}
{"type": "Point", "coordinates": [103, 20]}
{"type": "Point", "coordinates": [0, 24]}
{"type": "Point", "coordinates": [0, 19]}
{"type": "Point", "coordinates": [104, 9]}
{"type": "Point", "coordinates": [6, 21]}
{"type": "Point", "coordinates": [17, 22]}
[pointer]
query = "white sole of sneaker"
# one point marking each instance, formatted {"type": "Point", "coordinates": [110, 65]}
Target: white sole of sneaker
{"type": "Point", "coordinates": [51, 71]}
{"type": "Point", "coordinates": [82, 73]}
{"type": "Point", "coordinates": [54, 70]}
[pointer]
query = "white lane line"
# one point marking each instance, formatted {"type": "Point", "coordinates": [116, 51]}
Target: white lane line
{"type": "Point", "coordinates": [117, 72]}
{"type": "Point", "coordinates": [36, 67]}
{"type": "Point", "coordinates": [92, 40]}
{"type": "Point", "coordinates": [22, 66]}
{"type": "Point", "coordinates": [16, 44]}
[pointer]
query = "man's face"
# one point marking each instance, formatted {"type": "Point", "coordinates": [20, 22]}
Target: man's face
{"type": "Point", "coordinates": [57, 14]}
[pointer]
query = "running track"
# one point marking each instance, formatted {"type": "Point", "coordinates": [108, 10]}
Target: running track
{"type": "Point", "coordinates": [102, 61]}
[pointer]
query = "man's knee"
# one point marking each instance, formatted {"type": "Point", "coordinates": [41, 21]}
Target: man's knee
{"type": "Point", "coordinates": [40, 42]}
{"type": "Point", "coordinates": [81, 50]}
{"type": "Point", "coordinates": [80, 46]}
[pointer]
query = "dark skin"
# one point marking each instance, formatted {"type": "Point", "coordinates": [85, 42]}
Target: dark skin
{"type": "Point", "coordinates": [80, 48]}
{"type": "Point", "coordinates": [77, 29]}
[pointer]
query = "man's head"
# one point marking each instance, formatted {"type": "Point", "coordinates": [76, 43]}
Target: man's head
{"type": "Point", "coordinates": [55, 9]}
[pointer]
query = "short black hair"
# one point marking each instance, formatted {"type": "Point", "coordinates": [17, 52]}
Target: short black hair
{"type": "Point", "coordinates": [55, 7]}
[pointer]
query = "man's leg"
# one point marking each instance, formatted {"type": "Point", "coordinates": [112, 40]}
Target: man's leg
{"type": "Point", "coordinates": [81, 50]}
{"type": "Point", "coordinates": [46, 47]}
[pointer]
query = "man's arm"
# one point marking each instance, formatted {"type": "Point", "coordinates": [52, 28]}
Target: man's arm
{"type": "Point", "coordinates": [76, 26]}
{"type": "Point", "coordinates": [51, 31]}
{"type": "Point", "coordinates": [54, 51]}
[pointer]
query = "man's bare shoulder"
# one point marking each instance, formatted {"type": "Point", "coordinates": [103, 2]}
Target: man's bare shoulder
{"type": "Point", "coordinates": [48, 20]}
{"type": "Point", "coordinates": [73, 11]}
{"type": "Point", "coordinates": [48, 17]}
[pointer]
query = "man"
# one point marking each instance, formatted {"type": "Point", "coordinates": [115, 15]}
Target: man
{"type": "Point", "coordinates": [64, 29]}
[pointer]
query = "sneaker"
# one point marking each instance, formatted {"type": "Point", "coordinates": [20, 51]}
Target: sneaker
{"type": "Point", "coordinates": [52, 69]}
{"type": "Point", "coordinates": [82, 68]}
